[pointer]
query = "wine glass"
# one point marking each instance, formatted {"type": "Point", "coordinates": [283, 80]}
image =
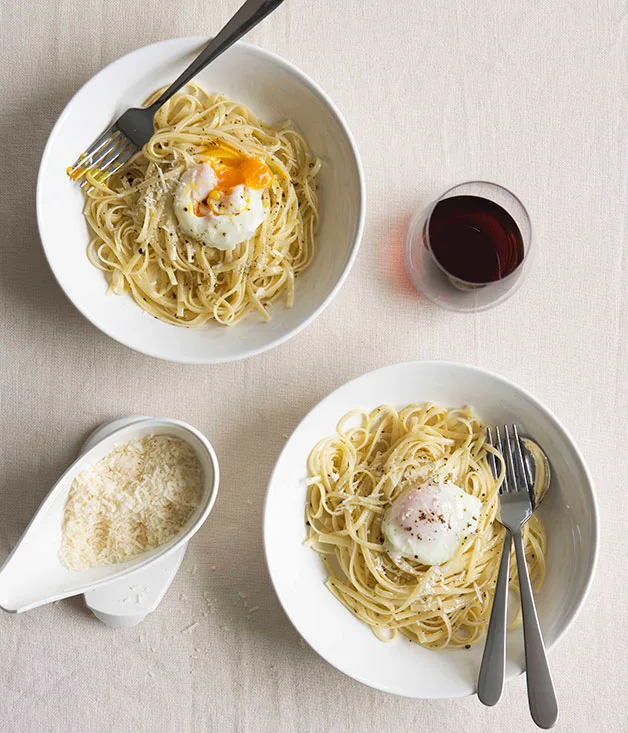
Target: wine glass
{"type": "Point", "coordinates": [470, 249]}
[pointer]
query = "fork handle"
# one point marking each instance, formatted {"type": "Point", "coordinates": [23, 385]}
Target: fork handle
{"type": "Point", "coordinates": [246, 18]}
{"type": "Point", "coordinates": [491, 677]}
{"type": "Point", "coordinates": [541, 695]}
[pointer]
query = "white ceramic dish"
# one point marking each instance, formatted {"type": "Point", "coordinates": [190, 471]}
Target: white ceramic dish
{"type": "Point", "coordinates": [33, 575]}
{"type": "Point", "coordinates": [127, 601]}
{"type": "Point", "coordinates": [297, 573]}
{"type": "Point", "coordinates": [275, 90]}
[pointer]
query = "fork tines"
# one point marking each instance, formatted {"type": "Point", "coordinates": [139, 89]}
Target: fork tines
{"type": "Point", "coordinates": [105, 156]}
{"type": "Point", "coordinates": [515, 475]}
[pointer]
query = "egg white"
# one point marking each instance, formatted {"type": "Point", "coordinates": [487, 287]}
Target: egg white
{"type": "Point", "coordinates": [429, 523]}
{"type": "Point", "coordinates": [233, 217]}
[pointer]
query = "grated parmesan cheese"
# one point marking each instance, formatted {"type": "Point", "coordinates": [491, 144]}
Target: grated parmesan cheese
{"type": "Point", "coordinates": [133, 500]}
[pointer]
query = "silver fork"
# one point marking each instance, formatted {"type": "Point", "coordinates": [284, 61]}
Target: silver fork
{"type": "Point", "coordinates": [515, 506]}
{"type": "Point", "coordinates": [130, 132]}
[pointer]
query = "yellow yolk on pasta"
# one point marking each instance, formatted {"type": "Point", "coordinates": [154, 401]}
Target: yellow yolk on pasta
{"type": "Point", "coordinates": [234, 169]}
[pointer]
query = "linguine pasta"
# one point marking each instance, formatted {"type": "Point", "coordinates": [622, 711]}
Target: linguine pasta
{"type": "Point", "coordinates": [138, 243]}
{"type": "Point", "coordinates": [357, 473]}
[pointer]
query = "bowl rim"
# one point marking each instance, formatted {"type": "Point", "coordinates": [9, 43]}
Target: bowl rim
{"type": "Point", "coordinates": [317, 90]}
{"type": "Point", "coordinates": [588, 480]}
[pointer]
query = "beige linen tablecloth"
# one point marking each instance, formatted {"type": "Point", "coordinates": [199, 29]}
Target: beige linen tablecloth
{"type": "Point", "coordinates": [530, 94]}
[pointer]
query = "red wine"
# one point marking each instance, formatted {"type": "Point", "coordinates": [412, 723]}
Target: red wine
{"type": "Point", "coordinates": [474, 239]}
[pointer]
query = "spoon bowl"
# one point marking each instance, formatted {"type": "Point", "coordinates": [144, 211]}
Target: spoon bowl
{"type": "Point", "coordinates": [539, 471]}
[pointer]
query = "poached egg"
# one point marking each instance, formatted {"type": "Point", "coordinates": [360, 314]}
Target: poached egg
{"type": "Point", "coordinates": [220, 202]}
{"type": "Point", "coordinates": [429, 523]}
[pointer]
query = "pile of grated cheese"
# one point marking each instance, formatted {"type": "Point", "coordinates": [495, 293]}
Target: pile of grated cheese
{"type": "Point", "coordinates": [133, 500]}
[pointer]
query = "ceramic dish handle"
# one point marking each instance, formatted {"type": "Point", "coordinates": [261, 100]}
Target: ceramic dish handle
{"type": "Point", "coordinates": [246, 18]}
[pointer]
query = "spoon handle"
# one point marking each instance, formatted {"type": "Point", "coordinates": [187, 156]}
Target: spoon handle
{"type": "Point", "coordinates": [491, 678]}
{"type": "Point", "coordinates": [541, 695]}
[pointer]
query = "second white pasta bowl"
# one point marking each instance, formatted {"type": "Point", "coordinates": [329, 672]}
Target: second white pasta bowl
{"type": "Point", "coordinates": [569, 514]}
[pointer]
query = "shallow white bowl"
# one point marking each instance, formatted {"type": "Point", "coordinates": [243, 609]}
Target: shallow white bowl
{"type": "Point", "coordinates": [569, 513]}
{"type": "Point", "coordinates": [275, 91]}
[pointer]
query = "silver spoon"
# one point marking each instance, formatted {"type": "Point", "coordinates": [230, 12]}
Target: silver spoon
{"type": "Point", "coordinates": [539, 470]}
{"type": "Point", "coordinates": [492, 669]}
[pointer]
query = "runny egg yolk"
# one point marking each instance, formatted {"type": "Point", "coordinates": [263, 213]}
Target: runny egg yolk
{"type": "Point", "coordinates": [221, 201]}
{"type": "Point", "coordinates": [234, 169]}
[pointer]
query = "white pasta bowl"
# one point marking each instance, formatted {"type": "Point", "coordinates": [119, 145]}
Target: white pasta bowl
{"type": "Point", "coordinates": [569, 513]}
{"type": "Point", "coordinates": [33, 574]}
{"type": "Point", "coordinates": [275, 90]}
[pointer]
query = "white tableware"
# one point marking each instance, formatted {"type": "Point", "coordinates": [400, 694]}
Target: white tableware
{"type": "Point", "coordinates": [569, 512]}
{"type": "Point", "coordinates": [275, 90]}
{"type": "Point", "coordinates": [33, 575]}
{"type": "Point", "coordinates": [127, 601]}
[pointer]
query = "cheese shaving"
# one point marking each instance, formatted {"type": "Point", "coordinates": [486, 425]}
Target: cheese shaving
{"type": "Point", "coordinates": [133, 500]}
